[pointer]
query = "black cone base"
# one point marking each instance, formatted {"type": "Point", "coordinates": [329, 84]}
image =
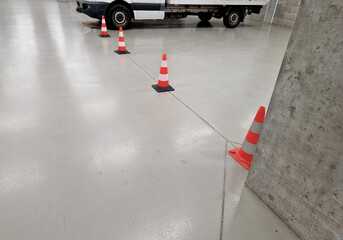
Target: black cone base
{"type": "Point", "coordinates": [103, 36]}
{"type": "Point", "coordinates": [165, 89]}
{"type": "Point", "coordinates": [121, 52]}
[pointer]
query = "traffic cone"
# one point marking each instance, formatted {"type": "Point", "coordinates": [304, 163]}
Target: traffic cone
{"type": "Point", "coordinates": [245, 153]}
{"type": "Point", "coordinates": [163, 82]}
{"type": "Point", "coordinates": [121, 44]}
{"type": "Point", "coordinates": [103, 28]}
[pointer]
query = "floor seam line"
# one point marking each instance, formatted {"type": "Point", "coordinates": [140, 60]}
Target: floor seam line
{"type": "Point", "coordinates": [202, 119]}
{"type": "Point", "coordinates": [224, 194]}
{"type": "Point", "coordinates": [207, 123]}
{"type": "Point", "coordinates": [141, 68]}
{"type": "Point", "coordinates": [226, 148]}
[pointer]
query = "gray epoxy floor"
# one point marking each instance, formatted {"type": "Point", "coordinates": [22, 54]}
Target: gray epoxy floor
{"type": "Point", "coordinates": [90, 151]}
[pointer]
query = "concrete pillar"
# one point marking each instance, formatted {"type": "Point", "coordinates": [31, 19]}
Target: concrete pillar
{"type": "Point", "coordinates": [269, 15]}
{"type": "Point", "coordinates": [286, 12]}
{"type": "Point", "coordinates": [298, 166]}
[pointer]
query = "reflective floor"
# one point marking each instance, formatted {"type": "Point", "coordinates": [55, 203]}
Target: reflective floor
{"type": "Point", "coordinates": [90, 151]}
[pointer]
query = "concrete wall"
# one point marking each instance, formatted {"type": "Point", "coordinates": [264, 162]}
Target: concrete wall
{"type": "Point", "coordinates": [286, 12]}
{"type": "Point", "coordinates": [298, 166]}
{"type": "Point", "coordinates": [281, 12]}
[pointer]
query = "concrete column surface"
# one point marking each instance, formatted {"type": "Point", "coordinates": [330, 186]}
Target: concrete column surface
{"type": "Point", "coordinates": [268, 17]}
{"type": "Point", "coordinates": [298, 166]}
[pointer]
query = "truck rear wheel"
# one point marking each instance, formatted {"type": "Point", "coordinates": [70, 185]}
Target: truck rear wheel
{"type": "Point", "coordinates": [119, 16]}
{"type": "Point", "coordinates": [232, 18]}
{"type": "Point", "coordinates": [205, 17]}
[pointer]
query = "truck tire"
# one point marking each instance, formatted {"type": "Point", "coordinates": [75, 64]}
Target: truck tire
{"type": "Point", "coordinates": [232, 18]}
{"type": "Point", "coordinates": [205, 17]}
{"type": "Point", "coordinates": [119, 16]}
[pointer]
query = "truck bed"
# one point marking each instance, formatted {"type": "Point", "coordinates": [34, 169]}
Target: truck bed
{"type": "Point", "coordinates": [218, 2]}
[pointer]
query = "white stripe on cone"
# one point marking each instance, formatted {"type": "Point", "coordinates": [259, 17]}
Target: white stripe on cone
{"type": "Point", "coordinates": [121, 34]}
{"type": "Point", "coordinates": [103, 29]}
{"type": "Point", "coordinates": [256, 127]}
{"type": "Point", "coordinates": [248, 147]}
{"type": "Point", "coordinates": [121, 44]}
{"type": "Point", "coordinates": [163, 77]}
{"type": "Point", "coordinates": [164, 64]}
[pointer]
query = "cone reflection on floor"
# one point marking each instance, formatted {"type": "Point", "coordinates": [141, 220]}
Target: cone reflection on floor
{"type": "Point", "coordinates": [245, 153]}
{"type": "Point", "coordinates": [163, 81]}
{"type": "Point", "coordinates": [104, 32]}
{"type": "Point", "coordinates": [121, 44]}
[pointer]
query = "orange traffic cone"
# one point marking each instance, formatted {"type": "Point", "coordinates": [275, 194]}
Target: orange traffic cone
{"type": "Point", "coordinates": [163, 82]}
{"type": "Point", "coordinates": [103, 28]}
{"type": "Point", "coordinates": [245, 153]}
{"type": "Point", "coordinates": [121, 44]}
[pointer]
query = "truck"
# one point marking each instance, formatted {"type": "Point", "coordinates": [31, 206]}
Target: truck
{"type": "Point", "coordinates": [120, 13]}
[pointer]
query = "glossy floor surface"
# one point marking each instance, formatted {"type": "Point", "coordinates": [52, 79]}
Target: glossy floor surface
{"type": "Point", "coordinates": [90, 151]}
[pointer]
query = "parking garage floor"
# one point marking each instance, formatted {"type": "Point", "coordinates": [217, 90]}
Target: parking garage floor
{"type": "Point", "coordinates": [90, 151]}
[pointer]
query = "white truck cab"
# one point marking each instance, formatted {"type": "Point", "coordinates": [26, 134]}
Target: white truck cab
{"type": "Point", "coordinates": [119, 13]}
